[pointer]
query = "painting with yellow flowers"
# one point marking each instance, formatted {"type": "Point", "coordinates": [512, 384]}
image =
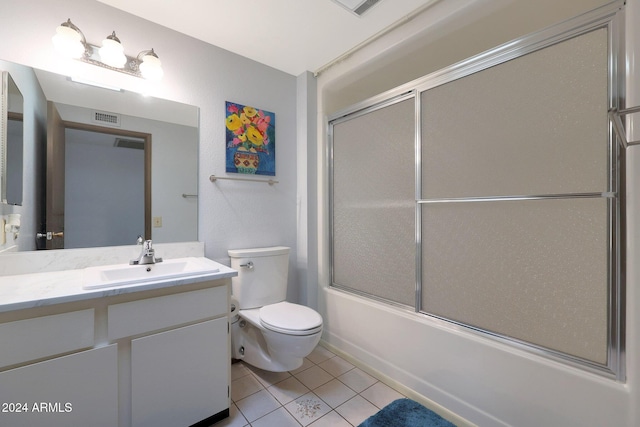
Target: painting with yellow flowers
{"type": "Point", "coordinates": [250, 139]}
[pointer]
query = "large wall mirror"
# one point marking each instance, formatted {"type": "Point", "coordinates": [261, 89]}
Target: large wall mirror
{"type": "Point", "coordinates": [113, 165]}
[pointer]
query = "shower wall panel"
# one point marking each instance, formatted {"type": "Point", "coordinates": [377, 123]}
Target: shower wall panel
{"type": "Point", "coordinates": [374, 203]}
{"type": "Point", "coordinates": [534, 270]}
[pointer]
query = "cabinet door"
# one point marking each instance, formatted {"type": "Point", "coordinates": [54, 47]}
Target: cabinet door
{"type": "Point", "coordinates": [181, 376]}
{"type": "Point", "coordinates": [76, 390]}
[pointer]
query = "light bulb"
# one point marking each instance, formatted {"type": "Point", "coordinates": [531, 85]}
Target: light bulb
{"type": "Point", "coordinates": [112, 52]}
{"type": "Point", "coordinates": [68, 42]}
{"type": "Point", "coordinates": [151, 67]}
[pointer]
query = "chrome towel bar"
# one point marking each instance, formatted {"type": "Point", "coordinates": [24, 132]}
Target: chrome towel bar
{"type": "Point", "coordinates": [214, 178]}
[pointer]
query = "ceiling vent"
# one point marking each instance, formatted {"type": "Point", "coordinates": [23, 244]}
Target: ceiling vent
{"type": "Point", "coordinates": [136, 144]}
{"type": "Point", "coordinates": [357, 7]}
{"type": "Point", "coordinates": [109, 119]}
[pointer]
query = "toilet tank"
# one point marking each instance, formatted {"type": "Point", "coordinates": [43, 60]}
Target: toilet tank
{"type": "Point", "coordinates": [262, 275]}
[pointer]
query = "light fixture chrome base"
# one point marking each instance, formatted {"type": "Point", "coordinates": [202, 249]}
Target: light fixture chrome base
{"type": "Point", "coordinates": [91, 56]}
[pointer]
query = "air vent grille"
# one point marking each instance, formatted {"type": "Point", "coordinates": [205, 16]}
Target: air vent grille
{"type": "Point", "coordinates": [109, 119]}
{"type": "Point", "coordinates": [365, 6]}
{"type": "Point", "coordinates": [357, 7]}
{"type": "Point", "coordinates": [136, 144]}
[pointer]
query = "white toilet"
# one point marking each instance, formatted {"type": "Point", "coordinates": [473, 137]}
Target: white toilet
{"type": "Point", "coordinates": [268, 332]}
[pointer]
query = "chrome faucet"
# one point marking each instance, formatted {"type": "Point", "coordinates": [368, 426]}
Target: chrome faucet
{"type": "Point", "coordinates": [147, 255]}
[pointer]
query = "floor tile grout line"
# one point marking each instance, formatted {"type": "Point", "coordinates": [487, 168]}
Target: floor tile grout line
{"type": "Point", "coordinates": [332, 409]}
{"type": "Point", "coordinates": [265, 384]}
{"type": "Point", "coordinates": [265, 387]}
{"type": "Point", "coordinates": [289, 412]}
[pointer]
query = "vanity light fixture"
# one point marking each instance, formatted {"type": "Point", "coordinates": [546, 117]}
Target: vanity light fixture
{"type": "Point", "coordinates": [71, 42]}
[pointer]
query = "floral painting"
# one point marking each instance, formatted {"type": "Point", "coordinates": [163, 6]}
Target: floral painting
{"type": "Point", "coordinates": [250, 140]}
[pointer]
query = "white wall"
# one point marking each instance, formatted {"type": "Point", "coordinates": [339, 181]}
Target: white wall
{"type": "Point", "coordinates": [487, 382]}
{"type": "Point", "coordinates": [633, 212]}
{"type": "Point", "coordinates": [307, 257]}
{"type": "Point", "coordinates": [231, 214]}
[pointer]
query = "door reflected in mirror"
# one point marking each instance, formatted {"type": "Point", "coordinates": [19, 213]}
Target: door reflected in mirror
{"type": "Point", "coordinates": [104, 188]}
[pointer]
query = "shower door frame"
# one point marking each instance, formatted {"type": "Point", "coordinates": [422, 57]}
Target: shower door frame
{"type": "Point", "coordinates": [610, 17]}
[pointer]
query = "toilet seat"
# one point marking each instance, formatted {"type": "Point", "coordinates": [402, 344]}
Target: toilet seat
{"type": "Point", "coordinates": [290, 319]}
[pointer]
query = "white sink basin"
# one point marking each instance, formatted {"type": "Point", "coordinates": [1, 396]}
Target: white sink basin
{"type": "Point", "coordinates": [109, 276]}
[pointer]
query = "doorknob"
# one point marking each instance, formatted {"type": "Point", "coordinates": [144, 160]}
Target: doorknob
{"type": "Point", "coordinates": [49, 235]}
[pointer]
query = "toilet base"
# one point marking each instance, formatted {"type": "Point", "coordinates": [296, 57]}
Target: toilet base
{"type": "Point", "coordinates": [249, 345]}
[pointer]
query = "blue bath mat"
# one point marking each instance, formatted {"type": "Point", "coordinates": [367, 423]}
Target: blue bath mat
{"type": "Point", "coordinates": [405, 413]}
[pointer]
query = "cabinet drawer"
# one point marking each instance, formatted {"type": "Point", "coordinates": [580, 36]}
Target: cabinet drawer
{"type": "Point", "coordinates": [137, 317]}
{"type": "Point", "coordinates": [30, 339]}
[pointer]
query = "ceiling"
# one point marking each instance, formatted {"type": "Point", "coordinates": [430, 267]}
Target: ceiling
{"type": "Point", "coordinates": [293, 36]}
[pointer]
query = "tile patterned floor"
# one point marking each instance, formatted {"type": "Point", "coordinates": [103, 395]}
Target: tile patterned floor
{"type": "Point", "coordinates": [326, 391]}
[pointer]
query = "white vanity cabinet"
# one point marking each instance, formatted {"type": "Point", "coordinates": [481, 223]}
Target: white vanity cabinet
{"type": "Point", "coordinates": [50, 388]}
{"type": "Point", "coordinates": [188, 391]}
{"type": "Point", "coordinates": [157, 357]}
{"type": "Point", "coordinates": [179, 375]}
{"type": "Point", "coordinates": [80, 389]}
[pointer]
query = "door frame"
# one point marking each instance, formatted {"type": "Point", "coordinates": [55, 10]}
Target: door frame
{"type": "Point", "coordinates": [146, 137]}
{"type": "Point", "coordinates": [54, 169]}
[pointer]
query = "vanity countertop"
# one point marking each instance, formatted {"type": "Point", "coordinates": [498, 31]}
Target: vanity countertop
{"type": "Point", "coordinates": [25, 291]}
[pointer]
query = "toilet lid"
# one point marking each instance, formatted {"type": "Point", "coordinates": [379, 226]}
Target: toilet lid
{"type": "Point", "coordinates": [288, 318]}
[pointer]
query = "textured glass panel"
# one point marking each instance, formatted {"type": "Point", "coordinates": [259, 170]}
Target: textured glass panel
{"type": "Point", "coordinates": [534, 125]}
{"type": "Point", "coordinates": [532, 270]}
{"type": "Point", "coordinates": [374, 203]}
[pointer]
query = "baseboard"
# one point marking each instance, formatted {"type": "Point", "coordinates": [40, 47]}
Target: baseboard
{"type": "Point", "coordinates": [399, 387]}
